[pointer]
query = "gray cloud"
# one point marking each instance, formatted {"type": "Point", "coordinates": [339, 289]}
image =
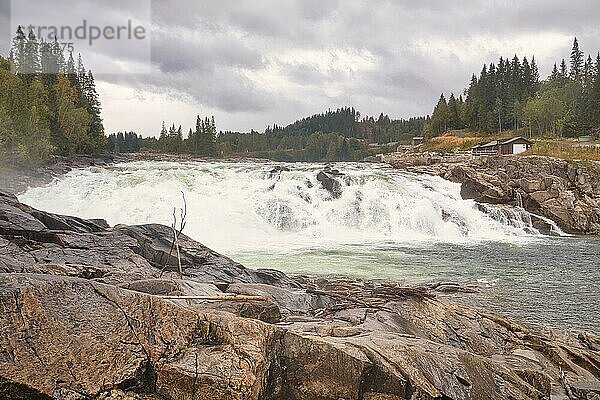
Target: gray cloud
{"type": "Point", "coordinates": [265, 61]}
{"type": "Point", "coordinates": [5, 29]}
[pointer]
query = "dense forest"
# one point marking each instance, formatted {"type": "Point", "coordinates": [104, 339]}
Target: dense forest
{"type": "Point", "coordinates": [201, 141]}
{"type": "Point", "coordinates": [48, 103]}
{"type": "Point", "coordinates": [330, 136]}
{"type": "Point", "coordinates": [510, 96]}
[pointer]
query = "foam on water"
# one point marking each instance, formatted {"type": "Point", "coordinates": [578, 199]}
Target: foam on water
{"type": "Point", "coordinates": [247, 207]}
{"type": "Point", "coordinates": [387, 224]}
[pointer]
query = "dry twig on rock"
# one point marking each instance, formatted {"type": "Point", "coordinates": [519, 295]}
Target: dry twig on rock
{"type": "Point", "coordinates": [176, 232]}
{"type": "Point", "coordinates": [225, 297]}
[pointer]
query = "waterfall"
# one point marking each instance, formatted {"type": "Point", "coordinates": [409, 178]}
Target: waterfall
{"type": "Point", "coordinates": [261, 206]}
{"type": "Point", "coordinates": [519, 199]}
{"type": "Point", "coordinates": [518, 217]}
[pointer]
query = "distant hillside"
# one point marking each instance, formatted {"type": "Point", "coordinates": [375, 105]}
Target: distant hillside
{"type": "Point", "coordinates": [348, 123]}
{"type": "Point", "coordinates": [339, 135]}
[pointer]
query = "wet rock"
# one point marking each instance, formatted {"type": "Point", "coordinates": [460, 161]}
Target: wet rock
{"type": "Point", "coordinates": [332, 171]}
{"type": "Point", "coordinates": [203, 264]}
{"type": "Point", "coordinates": [586, 390]}
{"type": "Point", "coordinates": [451, 287]}
{"type": "Point", "coordinates": [15, 220]}
{"type": "Point", "coordinates": [330, 183]}
{"type": "Point", "coordinates": [85, 317]}
{"type": "Point", "coordinates": [277, 170]}
{"type": "Point", "coordinates": [479, 187]}
{"type": "Point", "coordinates": [543, 226]}
{"type": "Point", "coordinates": [567, 193]}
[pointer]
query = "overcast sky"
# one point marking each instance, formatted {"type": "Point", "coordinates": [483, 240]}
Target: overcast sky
{"type": "Point", "coordinates": [258, 62]}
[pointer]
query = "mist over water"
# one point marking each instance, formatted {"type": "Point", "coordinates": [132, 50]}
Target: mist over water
{"type": "Point", "coordinates": [387, 224]}
{"type": "Point", "coordinates": [253, 207]}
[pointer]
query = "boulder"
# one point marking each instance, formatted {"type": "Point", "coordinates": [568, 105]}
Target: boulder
{"type": "Point", "coordinates": [568, 193]}
{"type": "Point", "coordinates": [330, 183]}
{"type": "Point", "coordinates": [479, 187]}
{"type": "Point", "coordinates": [85, 317]}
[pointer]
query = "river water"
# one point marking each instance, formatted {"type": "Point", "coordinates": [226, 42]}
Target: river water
{"type": "Point", "coordinates": [387, 224]}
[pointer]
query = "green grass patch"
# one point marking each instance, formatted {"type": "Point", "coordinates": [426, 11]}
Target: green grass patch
{"type": "Point", "coordinates": [563, 150]}
{"type": "Point", "coordinates": [451, 143]}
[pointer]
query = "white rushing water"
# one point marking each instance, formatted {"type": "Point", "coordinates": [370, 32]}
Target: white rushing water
{"type": "Point", "coordinates": [387, 224]}
{"type": "Point", "coordinates": [241, 207]}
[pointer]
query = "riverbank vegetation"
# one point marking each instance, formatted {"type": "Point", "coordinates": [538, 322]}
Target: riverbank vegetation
{"type": "Point", "coordinates": [565, 151]}
{"type": "Point", "coordinates": [335, 135]}
{"type": "Point", "coordinates": [48, 103]}
{"type": "Point", "coordinates": [510, 96]}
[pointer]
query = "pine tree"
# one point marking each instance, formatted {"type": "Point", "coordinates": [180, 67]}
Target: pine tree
{"type": "Point", "coordinates": [81, 73]}
{"type": "Point", "coordinates": [528, 81]}
{"type": "Point", "coordinates": [594, 98]}
{"type": "Point", "coordinates": [440, 116]}
{"type": "Point", "coordinates": [58, 58]}
{"type": "Point", "coordinates": [472, 104]}
{"type": "Point", "coordinates": [517, 73]}
{"type": "Point", "coordinates": [46, 58]}
{"type": "Point", "coordinates": [94, 109]}
{"type": "Point", "coordinates": [588, 72]}
{"type": "Point", "coordinates": [454, 119]}
{"type": "Point", "coordinates": [18, 53]}
{"type": "Point", "coordinates": [32, 55]}
{"type": "Point", "coordinates": [535, 71]}
{"type": "Point", "coordinates": [576, 67]}
{"type": "Point", "coordinates": [554, 75]}
{"type": "Point", "coordinates": [563, 72]}
{"type": "Point", "coordinates": [71, 71]}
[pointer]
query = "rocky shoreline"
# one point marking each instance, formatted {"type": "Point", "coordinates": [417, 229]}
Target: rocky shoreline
{"type": "Point", "coordinates": [565, 192]}
{"type": "Point", "coordinates": [98, 312]}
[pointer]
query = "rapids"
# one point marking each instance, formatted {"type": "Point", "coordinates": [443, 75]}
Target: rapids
{"type": "Point", "coordinates": [387, 224]}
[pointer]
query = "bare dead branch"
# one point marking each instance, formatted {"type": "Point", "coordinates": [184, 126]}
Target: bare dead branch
{"type": "Point", "coordinates": [176, 233]}
{"type": "Point", "coordinates": [231, 297]}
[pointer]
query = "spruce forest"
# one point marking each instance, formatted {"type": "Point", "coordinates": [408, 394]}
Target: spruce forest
{"type": "Point", "coordinates": [507, 96]}
{"type": "Point", "coordinates": [510, 96]}
{"type": "Point", "coordinates": [48, 103]}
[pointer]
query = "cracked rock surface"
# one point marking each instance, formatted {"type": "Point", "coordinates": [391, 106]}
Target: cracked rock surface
{"type": "Point", "coordinates": [83, 318]}
{"type": "Point", "coordinates": [566, 192]}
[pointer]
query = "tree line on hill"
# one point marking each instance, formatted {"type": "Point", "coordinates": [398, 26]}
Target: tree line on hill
{"type": "Point", "coordinates": [48, 103]}
{"type": "Point", "coordinates": [201, 141]}
{"type": "Point", "coordinates": [331, 136]}
{"type": "Point", "coordinates": [510, 96]}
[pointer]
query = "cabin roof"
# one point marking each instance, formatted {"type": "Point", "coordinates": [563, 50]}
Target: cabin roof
{"type": "Point", "coordinates": [514, 140]}
{"type": "Point", "coordinates": [500, 142]}
{"type": "Point", "coordinates": [490, 144]}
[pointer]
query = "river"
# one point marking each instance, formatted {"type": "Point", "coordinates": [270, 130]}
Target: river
{"type": "Point", "coordinates": [387, 224]}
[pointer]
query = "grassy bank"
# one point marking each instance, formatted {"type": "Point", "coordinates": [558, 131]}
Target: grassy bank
{"type": "Point", "coordinates": [451, 143]}
{"type": "Point", "coordinates": [564, 151]}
